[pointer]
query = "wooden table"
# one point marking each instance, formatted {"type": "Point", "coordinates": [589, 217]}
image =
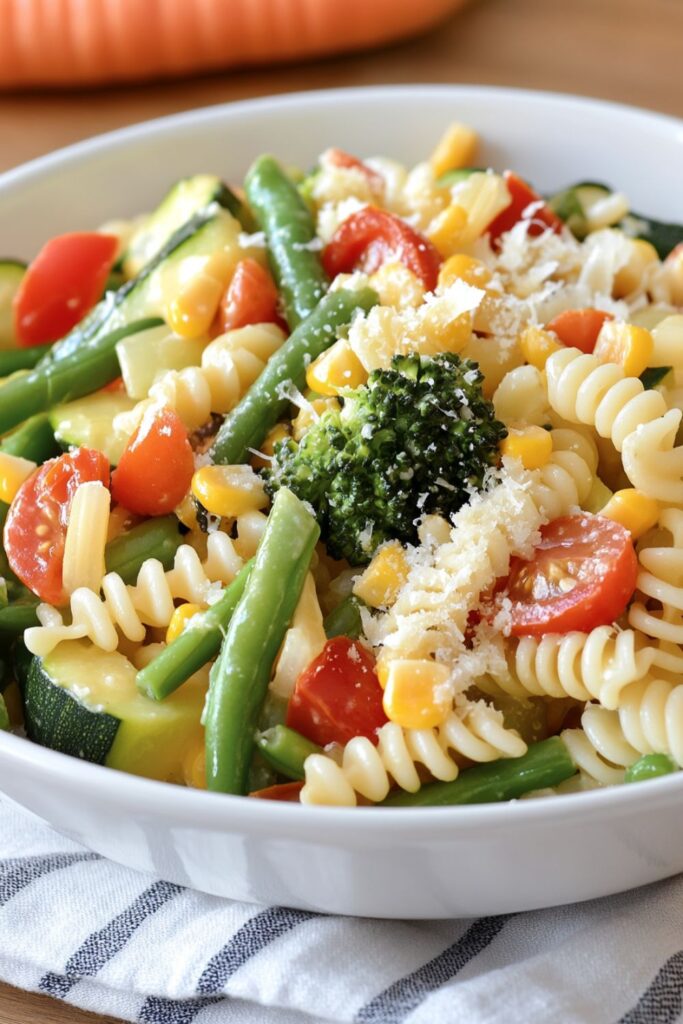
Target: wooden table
{"type": "Point", "coordinates": [622, 50]}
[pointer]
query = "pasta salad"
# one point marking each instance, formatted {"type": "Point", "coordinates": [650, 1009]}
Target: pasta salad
{"type": "Point", "coordinates": [354, 486]}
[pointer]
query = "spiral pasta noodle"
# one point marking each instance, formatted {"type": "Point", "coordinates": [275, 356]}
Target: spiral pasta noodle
{"type": "Point", "coordinates": [586, 666]}
{"type": "Point", "coordinates": [150, 602]}
{"type": "Point", "coordinates": [475, 731]}
{"type": "Point", "coordinates": [230, 365]}
{"type": "Point", "coordinates": [638, 422]}
{"type": "Point", "coordinates": [660, 579]}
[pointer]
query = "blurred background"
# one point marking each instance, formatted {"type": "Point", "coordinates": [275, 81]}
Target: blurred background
{"type": "Point", "coordinates": [625, 50]}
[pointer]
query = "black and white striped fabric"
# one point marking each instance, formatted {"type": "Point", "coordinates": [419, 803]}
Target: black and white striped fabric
{"type": "Point", "coordinates": [108, 939]}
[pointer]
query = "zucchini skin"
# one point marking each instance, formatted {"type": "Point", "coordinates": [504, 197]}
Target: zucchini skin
{"type": "Point", "coordinates": [55, 719]}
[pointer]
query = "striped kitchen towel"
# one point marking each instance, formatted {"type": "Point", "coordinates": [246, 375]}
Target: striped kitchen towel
{"type": "Point", "coordinates": [108, 939]}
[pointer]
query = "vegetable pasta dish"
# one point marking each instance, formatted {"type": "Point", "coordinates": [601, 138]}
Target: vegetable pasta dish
{"type": "Point", "coordinates": [358, 485]}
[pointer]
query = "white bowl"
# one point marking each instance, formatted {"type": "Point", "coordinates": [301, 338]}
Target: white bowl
{"type": "Point", "coordinates": [386, 863]}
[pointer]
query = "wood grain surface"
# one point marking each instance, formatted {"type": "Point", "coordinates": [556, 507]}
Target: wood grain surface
{"type": "Point", "coordinates": [624, 50]}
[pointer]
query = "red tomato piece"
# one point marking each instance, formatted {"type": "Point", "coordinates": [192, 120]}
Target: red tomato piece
{"type": "Point", "coordinates": [288, 792]}
{"type": "Point", "coordinates": [340, 158]}
{"type": "Point", "coordinates": [579, 328]}
{"type": "Point", "coordinates": [61, 285]}
{"type": "Point", "coordinates": [524, 204]}
{"type": "Point", "coordinates": [338, 696]}
{"type": "Point", "coordinates": [250, 298]}
{"type": "Point", "coordinates": [155, 471]}
{"type": "Point", "coordinates": [371, 237]}
{"type": "Point", "coordinates": [35, 529]}
{"type": "Point", "coordinates": [581, 575]}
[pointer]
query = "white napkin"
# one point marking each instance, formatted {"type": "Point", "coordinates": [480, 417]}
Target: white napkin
{"type": "Point", "coordinates": [108, 939]}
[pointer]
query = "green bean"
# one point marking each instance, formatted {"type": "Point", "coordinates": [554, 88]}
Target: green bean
{"type": "Point", "coordinates": [289, 228]}
{"type": "Point", "coordinates": [156, 538]}
{"type": "Point", "coordinates": [33, 440]}
{"type": "Point", "coordinates": [650, 766]}
{"type": "Point", "coordinates": [265, 401]}
{"type": "Point", "coordinates": [17, 617]}
{"type": "Point", "coordinates": [14, 359]}
{"type": "Point", "coordinates": [545, 764]}
{"type": "Point", "coordinates": [240, 676]}
{"type": "Point", "coordinates": [286, 750]}
{"type": "Point", "coordinates": [4, 716]}
{"type": "Point", "coordinates": [71, 377]}
{"type": "Point", "coordinates": [198, 643]}
{"type": "Point", "coordinates": [344, 620]}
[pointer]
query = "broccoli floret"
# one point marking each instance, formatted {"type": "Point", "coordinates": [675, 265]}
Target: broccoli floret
{"type": "Point", "coordinates": [416, 439]}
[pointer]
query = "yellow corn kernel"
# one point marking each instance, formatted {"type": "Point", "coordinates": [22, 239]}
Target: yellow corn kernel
{"type": "Point", "coordinates": [633, 509]}
{"type": "Point", "coordinates": [629, 346]}
{"type": "Point", "coordinates": [641, 255]}
{"type": "Point", "coordinates": [537, 346]}
{"type": "Point", "coordinates": [279, 432]}
{"type": "Point", "coordinates": [229, 491]}
{"type": "Point", "coordinates": [181, 617]}
{"type": "Point", "coordinates": [417, 694]}
{"type": "Point", "coordinates": [396, 286]}
{"type": "Point", "coordinates": [461, 267]}
{"type": "Point", "coordinates": [456, 148]}
{"type": "Point", "coordinates": [447, 229]}
{"type": "Point", "coordinates": [533, 446]}
{"type": "Point", "coordinates": [337, 368]}
{"type": "Point", "coordinates": [380, 583]}
{"type": "Point", "coordinates": [13, 471]}
{"type": "Point", "coordinates": [193, 295]}
{"type": "Point", "coordinates": [308, 416]}
{"type": "Point", "coordinates": [194, 765]}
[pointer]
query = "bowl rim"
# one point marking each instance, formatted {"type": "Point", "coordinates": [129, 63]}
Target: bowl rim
{"type": "Point", "coordinates": [326, 825]}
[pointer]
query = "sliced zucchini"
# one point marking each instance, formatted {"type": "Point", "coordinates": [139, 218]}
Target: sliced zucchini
{"type": "Point", "coordinates": [210, 230]}
{"type": "Point", "coordinates": [142, 357]}
{"type": "Point", "coordinates": [186, 198]}
{"type": "Point", "coordinates": [84, 702]}
{"type": "Point", "coordinates": [89, 421]}
{"type": "Point", "coordinates": [456, 175]}
{"type": "Point", "coordinates": [664, 237]}
{"type": "Point", "coordinates": [11, 273]}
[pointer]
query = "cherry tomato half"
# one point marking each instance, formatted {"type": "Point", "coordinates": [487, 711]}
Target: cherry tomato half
{"type": "Point", "coordinates": [287, 792]}
{"type": "Point", "coordinates": [370, 237]}
{"type": "Point", "coordinates": [250, 298]}
{"type": "Point", "coordinates": [522, 197]}
{"type": "Point", "coordinates": [579, 328]}
{"type": "Point", "coordinates": [35, 529]}
{"type": "Point", "coordinates": [61, 285]}
{"type": "Point", "coordinates": [338, 696]}
{"type": "Point", "coordinates": [155, 471]}
{"type": "Point", "coordinates": [581, 575]}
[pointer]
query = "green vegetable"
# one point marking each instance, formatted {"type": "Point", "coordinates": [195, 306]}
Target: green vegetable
{"type": "Point", "coordinates": [89, 421]}
{"type": "Point", "coordinates": [266, 400]}
{"type": "Point", "coordinates": [654, 375]}
{"type": "Point", "coordinates": [664, 237]}
{"type": "Point", "coordinates": [567, 205]}
{"type": "Point", "coordinates": [239, 679]}
{"type": "Point", "coordinates": [545, 764]}
{"type": "Point", "coordinates": [11, 274]}
{"type": "Point", "coordinates": [198, 643]}
{"type": "Point", "coordinates": [144, 356]}
{"type": "Point", "coordinates": [344, 620]}
{"type": "Point", "coordinates": [650, 766]}
{"type": "Point", "coordinates": [4, 715]}
{"type": "Point", "coordinates": [84, 702]}
{"type": "Point", "coordinates": [286, 219]}
{"type": "Point", "coordinates": [18, 616]}
{"type": "Point", "coordinates": [79, 374]}
{"type": "Point", "coordinates": [156, 538]}
{"type": "Point", "coordinates": [14, 359]}
{"type": "Point", "coordinates": [286, 750]}
{"type": "Point", "coordinates": [456, 175]}
{"type": "Point", "coordinates": [143, 297]}
{"type": "Point", "coordinates": [33, 440]}
{"type": "Point", "coordinates": [186, 198]}
{"type": "Point", "coordinates": [414, 440]}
